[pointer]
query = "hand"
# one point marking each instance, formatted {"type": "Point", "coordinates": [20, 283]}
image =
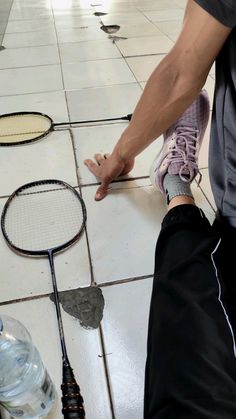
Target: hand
{"type": "Point", "coordinates": [108, 168]}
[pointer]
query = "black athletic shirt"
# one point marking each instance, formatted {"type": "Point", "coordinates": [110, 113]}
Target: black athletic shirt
{"type": "Point", "coordinates": [222, 153]}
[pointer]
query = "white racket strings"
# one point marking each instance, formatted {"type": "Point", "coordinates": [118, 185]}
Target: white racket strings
{"type": "Point", "coordinates": [42, 217]}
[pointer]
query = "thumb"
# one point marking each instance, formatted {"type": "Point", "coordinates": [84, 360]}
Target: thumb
{"type": "Point", "coordinates": [102, 191]}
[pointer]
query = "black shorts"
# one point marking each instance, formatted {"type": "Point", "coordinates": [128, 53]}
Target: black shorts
{"type": "Point", "coordinates": [191, 361]}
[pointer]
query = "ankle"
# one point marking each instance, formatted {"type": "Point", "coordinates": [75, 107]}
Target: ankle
{"type": "Point", "coordinates": [181, 200]}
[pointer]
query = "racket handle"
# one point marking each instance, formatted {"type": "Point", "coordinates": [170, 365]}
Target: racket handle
{"type": "Point", "coordinates": [72, 401]}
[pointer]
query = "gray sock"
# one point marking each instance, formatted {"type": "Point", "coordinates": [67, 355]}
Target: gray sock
{"type": "Point", "coordinates": [174, 186]}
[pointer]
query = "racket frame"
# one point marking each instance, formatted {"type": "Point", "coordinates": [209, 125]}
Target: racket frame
{"type": "Point", "coordinates": [72, 402]}
{"type": "Point", "coordinates": [53, 125]}
{"type": "Point", "coordinates": [15, 143]}
{"type": "Point", "coordinates": [54, 249]}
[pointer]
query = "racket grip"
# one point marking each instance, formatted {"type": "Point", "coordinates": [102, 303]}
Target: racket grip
{"type": "Point", "coordinates": [72, 401]}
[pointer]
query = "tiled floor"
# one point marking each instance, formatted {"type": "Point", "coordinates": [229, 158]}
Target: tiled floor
{"type": "Point", "coordinates": [58, 61]}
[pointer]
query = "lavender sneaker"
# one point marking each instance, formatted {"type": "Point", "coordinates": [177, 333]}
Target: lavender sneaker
{"type": "Point", "coordinates": [182, 142]}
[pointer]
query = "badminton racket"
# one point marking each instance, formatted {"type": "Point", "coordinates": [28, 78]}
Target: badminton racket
{"type": "Point", "coordinates": [40, 219]}
{"type": "Point", "coordinates": [25, 127]}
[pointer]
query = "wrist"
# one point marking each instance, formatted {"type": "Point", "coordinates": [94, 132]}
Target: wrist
{"type": "Point", "coordinates": [123, 150]}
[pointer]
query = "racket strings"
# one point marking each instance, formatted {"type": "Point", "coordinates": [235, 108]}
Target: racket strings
{"type": "Point", "coordinates": [38, 221]}
{"type": "Point", "coordinates": [15, 128]}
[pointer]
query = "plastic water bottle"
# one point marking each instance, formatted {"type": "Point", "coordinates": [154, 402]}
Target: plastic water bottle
{"type": "Point", "coordinates": [26, 389]}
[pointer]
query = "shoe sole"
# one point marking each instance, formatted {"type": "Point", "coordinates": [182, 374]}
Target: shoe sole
{"type": "Point", "coordinates": [152, 171]}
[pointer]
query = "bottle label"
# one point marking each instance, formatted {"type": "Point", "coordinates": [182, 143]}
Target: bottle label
{"type": "Point", "coordinates": [35, 403]}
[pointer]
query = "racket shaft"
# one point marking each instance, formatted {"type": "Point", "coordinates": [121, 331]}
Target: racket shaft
{"type": "Point", "coordinates": [92, 121]}
{"type": "Point", "coordinates": [57, 304]}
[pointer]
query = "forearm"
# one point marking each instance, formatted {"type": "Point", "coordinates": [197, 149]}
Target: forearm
{"type": "Point", "coordinates": [168, 93]}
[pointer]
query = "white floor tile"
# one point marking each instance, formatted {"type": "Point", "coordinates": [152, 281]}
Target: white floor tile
{"type": "Point", "coordinates": [29, 80]}
{"type": "Point", "coordinates": [165, 5]}
{"type": "Point", "coordinates": [28, 6]}
{"type": "Point", "coordinates": [170, 27]}
{"type": "Point", "coordinates": [103, 102]}
{"type": "Point", "coordinates": [145, 46]}
{"type": "Point", "coordinates": [27, 277]}
{"type": "Point", "coordinates": [132, 214]}
{"type": "Point", "coordinates": [180, 3]}
{"type": "Point", "coordinates": [30, 3]}
{"type": "Point", "coordinates": [206, 187]}
{"type": "Point", "coordinates": [125, 326]}
{"type": "Point", "coordinates": [138, 30]}
{"type": "Point", "coordinates": [51, 157]}
{"type": "Point", "coordinates": [210, 88]}
{"type": "Point", "coordinates": [28, 57]}
{"type": "Point", "coordinates": [131, 253]}
{"type": "Point", "coordinates": [90, 33]}
{"type": "Point", "coordinates": [30, 13]}
{"type": "Point", "coordinates": [68, 21]}
{"type": "Point", "coordinates": [52, 104]}
{"type": "Point", "coordinates": [83, 351]}
{"type": "Point", "coordinates": [204, 151]}
{"type": "Point", "coordinates": [124, 18]}
{"type": "Point", "coordinates": [96, 73]}
{"type": "Point", "coordinates": [30, 39]}
{"type": "Point", "coordinates": [173, 14]}
{"type": "Point", "coordinates": [90, 50]}
{"type": "Point", "coordinates": [213, 71]}
{"type": "Point", "coordinates": [74, 9]}
{"type": "Point", "coordinates": [89, 141]}
{"type": "Point", "coordinates": [18, 26]}
{"type": "Point", "coordinates": [142, 67]}
{"type": "Point", "coordinates": [116, 7]}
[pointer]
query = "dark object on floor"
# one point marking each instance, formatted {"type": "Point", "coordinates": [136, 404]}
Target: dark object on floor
{"type": "Point", "coordinates": [99, 14]}
{"type": "Point", "coordinates": [110, 28]}
{"type": "Point", "coordinates": [116, 38]}
{"type": "Point", "coordinates": [85, 304]}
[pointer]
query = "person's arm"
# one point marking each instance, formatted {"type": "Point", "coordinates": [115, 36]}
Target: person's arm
{"type": "Point", "coordinates": [172, 87]}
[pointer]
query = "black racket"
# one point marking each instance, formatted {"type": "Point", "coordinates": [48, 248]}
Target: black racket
{"type": "Point", "coordinates": [39, 219]}
{"type": "Point", "coordinates": [24, 127]}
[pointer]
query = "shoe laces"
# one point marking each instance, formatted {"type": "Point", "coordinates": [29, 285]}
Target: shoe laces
{"type": "Point", "coordinates": [183, 152]}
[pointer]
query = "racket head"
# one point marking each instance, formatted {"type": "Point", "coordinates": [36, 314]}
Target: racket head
{"type": "Point", "coordinates": [23, 127]}
{"type": "Point", "coordinates": [43, 216]}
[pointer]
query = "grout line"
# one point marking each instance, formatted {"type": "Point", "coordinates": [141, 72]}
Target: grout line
{"type": "Point", "coordinates": [29, 46]}
{"type": "Point", "coordinates": [124, 281]}
{"type": "Point", "coordinates": [86, 230]}
{"type": "Point", "coordinates": [33, 93]}
{"type": "Point", "coordinates": [87, 185]}
{"type": "Point", "coordinates": [146, 55]}
{"type": "Point", "coordinates": [59, 53]}
{"type": "Point", "coordinates": [31, 66]}
{"type": "Point", "coordinates": [70, 90]}
{"type": "Point", "coordinates": [25, 299]}
{"type": "Point", "coordinates": [47, 295]}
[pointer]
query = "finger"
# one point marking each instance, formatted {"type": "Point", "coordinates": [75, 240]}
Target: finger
{"type": "Point", "coordinates": [93, 167]}
{"type": "Point", "coordinates": [102, 191]}
{"type": "Point", "coordinates": [106, 156]}
{"type": "Point", "coordinates": [99, 158]}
